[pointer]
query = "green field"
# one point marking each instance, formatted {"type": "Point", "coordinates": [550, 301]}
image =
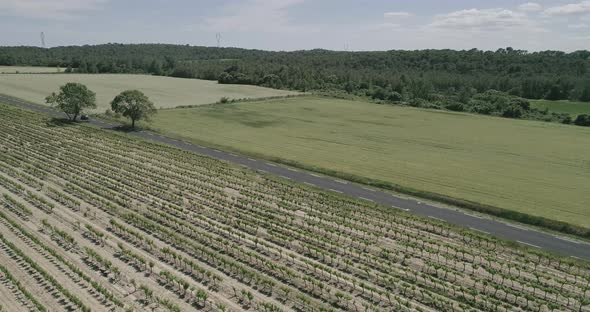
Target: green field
{"type": "Point", "coordinates": [165, 92]}
{"type": "Point", "coordinates": [538, 168]}
{"type": "Point", "coordinates": [569, 107]}
{"type": "Point", "coordinates": [28, 69]}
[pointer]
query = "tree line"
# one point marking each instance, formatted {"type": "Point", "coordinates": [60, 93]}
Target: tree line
{"type": "Point", "coordinates": [426, 78]}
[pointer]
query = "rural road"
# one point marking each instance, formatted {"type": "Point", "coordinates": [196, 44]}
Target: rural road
{"type": "Point", "coordinates": [505, 230]}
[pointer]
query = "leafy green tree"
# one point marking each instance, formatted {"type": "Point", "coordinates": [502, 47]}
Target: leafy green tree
{"type": "Point", "coordinates": [72, 99]}
{"type": "Point", "coordinates": [134, 105]}
{"type": "Point", "coordinates": [581, 94]}
{"type": "Point", "coordinates": [555, 93]}
{"type": "Point", "coordinates": [419, 89]}
{"type": "Point", "coordinates": [155, 68]}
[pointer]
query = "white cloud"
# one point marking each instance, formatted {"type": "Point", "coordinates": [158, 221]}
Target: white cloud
{"type": "Point", "coordinates": [397, 14]}
{"type": "Point", "coordinates": [569, 9]}
{"type": "Point", "coordinates": [578, 26]}
{"type": "Point", "coordinates": [51, 9]}
{"type": "Point", "coordinates": [530, 7]}
{"type": "Point", "coordinates": [485, 19]}
{"type": "Point", "coordinates": [254, 15]}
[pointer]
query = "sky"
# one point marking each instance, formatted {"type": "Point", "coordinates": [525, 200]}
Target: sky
{"type": "Point", "coordinates": [302, 24]}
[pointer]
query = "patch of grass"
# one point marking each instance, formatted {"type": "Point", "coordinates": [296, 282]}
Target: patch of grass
{"type": "Point", "coordinates": [569, 107]}
{"type": "Point", "coordinates": [165, 92]}
{"type": "Point", "coordinates": [527, 168]}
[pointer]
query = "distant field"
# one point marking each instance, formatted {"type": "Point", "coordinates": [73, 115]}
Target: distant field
{"type": "Point", "coordinates": [165, 92]}
{"type": "Point", "coordinates": [570, 107]}
{"type": "Point", "coordinates": [28, 69]}
{"type": "Point", "coordinates": [535, 167]}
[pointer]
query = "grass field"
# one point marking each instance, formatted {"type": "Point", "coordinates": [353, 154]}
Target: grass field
{"type": "Point", "coordinates": [533, 167]}
{"type": "Point", "coordinates": [165, 92]}
{"type": "Point", "coordinates": [570, 107]}
{"type": "Point", "coordinates": [94, 220]}
{"type": "Point", "coordinates": [28, 69]}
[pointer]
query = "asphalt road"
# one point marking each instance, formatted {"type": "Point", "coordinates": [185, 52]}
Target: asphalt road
{"type": "Point", "coordinates": [505, 230]}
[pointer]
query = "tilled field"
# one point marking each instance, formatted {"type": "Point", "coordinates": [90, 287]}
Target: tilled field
{"type": "Point", "coordinates": [91, 220]}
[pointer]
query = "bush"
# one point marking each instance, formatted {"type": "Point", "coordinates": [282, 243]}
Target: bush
{"type": "Point", "coordinates": [223, 100]}
{"type": "Point", "coordinates": [583, 120]}
{"type": "Point", "coordinates": [240, 78]}
{"type": "Point", "coordinates": [455, 106]}
{"type": "Point", "coordinates": [271, 80]}
{"type": "Point", "coordinates": [522, 103]}
{"type": "Point", "coordinates": [417, 102]}
{"type": "Point", "coordinates": [480, 107]}
{"type": "Point", "coordinates": [493, 102]}
{"type": "Point", "coordinates": [225, 78]}
{"type": "Point", "coordinates": [512, 111]}
{"type": "Point", "coordinates": [394, 97]}
{"type": "Point", "coordinates": [236, 78]}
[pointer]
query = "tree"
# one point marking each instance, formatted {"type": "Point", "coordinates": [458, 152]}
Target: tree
{"type": "Point", "coordinates": [72, 99]}
{"type": "Point", "coordinates": [555, 93]}
{"type": "Point", "coordinates": [134, 105]}
{"type": "Point", "coordinates": [155, 68]}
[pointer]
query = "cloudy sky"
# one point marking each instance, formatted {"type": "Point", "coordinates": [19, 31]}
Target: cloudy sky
{"type": "Point", "coordinates": [302, 24]}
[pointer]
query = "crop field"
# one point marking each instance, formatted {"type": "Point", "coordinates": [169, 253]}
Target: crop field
{"type": "Point", "coordinates": [92, 220]}
{"type": "Point", "coordinates": [533, 167]}
{"type": "Point", "coordinates": [29, 69]}
{"type": "Point", "coordinates": [165, 92]}
{"type": "Point", "coordinates": [570, 107]}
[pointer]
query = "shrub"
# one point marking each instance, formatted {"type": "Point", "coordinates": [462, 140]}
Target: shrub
{"type": "Point", "coordinates": [455, 106]}
{"type": "Point", "coordinates": [271, 80]}
{"type": "Point", "coordinates": [416, 102]}
{"type": "Point", "coordinates": [493, 102]}
{"type": "Point", "coordinates": [522, 103]}
{"type": "Point", "coordinates": [225, 78]}
{"type": "Point", "coordinates": [583, 120]}
{"type": "Point", "coordinates": [480, 107]}
{"type": "Point", "coordinates": [512, 111]}
{"type": "Point", "coordinates": [394, 96]}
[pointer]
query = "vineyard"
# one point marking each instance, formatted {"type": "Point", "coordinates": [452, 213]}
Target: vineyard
{"type": "Point", "coordinates": [97, 221]}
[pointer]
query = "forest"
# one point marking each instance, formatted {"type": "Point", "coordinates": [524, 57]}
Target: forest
{"type": "Point", "coordinates": [486, 82]}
